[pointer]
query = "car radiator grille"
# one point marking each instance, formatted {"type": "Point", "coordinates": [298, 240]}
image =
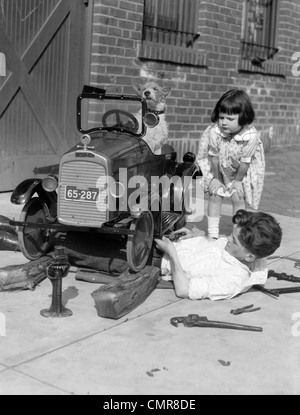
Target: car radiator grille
{"type": "Point", "coordinates": [83, 175]}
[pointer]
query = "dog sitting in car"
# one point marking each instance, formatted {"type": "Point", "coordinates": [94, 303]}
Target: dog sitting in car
{"type": "Point", "coordinates": [155, 97]}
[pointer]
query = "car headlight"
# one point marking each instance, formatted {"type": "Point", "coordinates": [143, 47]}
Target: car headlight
{"type": "Point", "coordinates": [151, 120]}
{"type": "Point", "coordinates": [50, 183]}
{"type": "Point", "coordinates": [117, 189]}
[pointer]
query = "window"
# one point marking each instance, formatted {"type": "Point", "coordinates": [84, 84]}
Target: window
{"type": "Point", "coordinates": [258, 42]}
{"type": "Point", "coordinates": [170, 22]}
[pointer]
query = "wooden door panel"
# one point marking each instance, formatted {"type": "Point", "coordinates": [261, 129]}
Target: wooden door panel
{"type": "Point", "coordinates": [38, 94]}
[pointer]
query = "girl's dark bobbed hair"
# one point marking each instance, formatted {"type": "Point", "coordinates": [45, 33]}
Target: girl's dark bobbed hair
{"type": "Point", "coordinates": [235, 101]}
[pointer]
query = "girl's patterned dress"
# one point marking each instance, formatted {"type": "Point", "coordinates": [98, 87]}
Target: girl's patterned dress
{"type": "Point", "coordinates": [231, 150]}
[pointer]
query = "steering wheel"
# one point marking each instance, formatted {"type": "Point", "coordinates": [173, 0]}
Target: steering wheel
{"type": "Point", "coordinates": [119, 122]}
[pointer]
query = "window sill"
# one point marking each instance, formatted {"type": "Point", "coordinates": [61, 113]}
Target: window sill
{"type": "Point", "coordinates": [266, 68]}
{"type": "Point", "coordinates": [167, 53]}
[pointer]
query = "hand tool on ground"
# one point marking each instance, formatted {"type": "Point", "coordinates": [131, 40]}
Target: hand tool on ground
{"type": "Point", "coordinates": [286, 290]}
{"type": "Point", "coordinates": [194, 320]}
{"type": "Point", "coordinates": [282, 276]}
{"type": "Point", "coordinates": [246, 309]}
{"type": "Point", "coordinates": [271, 293]}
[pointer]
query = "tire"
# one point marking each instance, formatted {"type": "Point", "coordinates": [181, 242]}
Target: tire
{"type": "Point", "coordinates": [34, 242]}
{"type": "Point", "coordinates": [181, 223]}
{"type": "Point", "coordinates": [140, 244]}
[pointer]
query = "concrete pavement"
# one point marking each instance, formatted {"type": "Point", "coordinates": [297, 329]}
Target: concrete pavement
{"type": "Point", "coordinates": [281, 192]}
{"type": "Point", "coordinates": [142, 353]}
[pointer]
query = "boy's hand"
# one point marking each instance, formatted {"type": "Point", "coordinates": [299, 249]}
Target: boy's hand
{"type": "Point", "coordinates": [166, 246]}
{"type": "Point", "coordinates": [185, 233]}
{"type": "Point", "coordinates": [214, 186]}
{"type": "Point", "coordinates": [238, 186]}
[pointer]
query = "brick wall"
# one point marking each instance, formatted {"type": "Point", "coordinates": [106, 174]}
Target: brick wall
{"type": "Point", "coordinates": [118, 59]}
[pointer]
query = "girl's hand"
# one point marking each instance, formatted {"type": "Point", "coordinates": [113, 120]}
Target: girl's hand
{"type": "Point", "coordinates": [214, 186]}
{"type": "Point", "coordinates": [238, 186]}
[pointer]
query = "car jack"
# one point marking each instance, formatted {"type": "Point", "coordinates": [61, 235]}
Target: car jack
{"type": "Point", "coordinates": [56, 271]}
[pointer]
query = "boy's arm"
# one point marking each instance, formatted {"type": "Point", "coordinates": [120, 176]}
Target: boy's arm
{"type": "Point", "coordinates": [186, 233]}
{"type": "Point", "coordinates": [217, 287]}
{"type": "Point", "coordinates": [180, 280]}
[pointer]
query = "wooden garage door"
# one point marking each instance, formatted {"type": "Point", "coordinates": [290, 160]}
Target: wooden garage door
{"type": "Point", "coordinates": [43, 44]}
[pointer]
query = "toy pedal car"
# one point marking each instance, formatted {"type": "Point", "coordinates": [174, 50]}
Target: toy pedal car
{"type": "Point", "coordinates": [110, 183]}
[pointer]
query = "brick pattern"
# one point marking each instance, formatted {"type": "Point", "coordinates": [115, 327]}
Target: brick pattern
{"type": "Point", "coordinates": [179, 55]}
{"type": "Point", "coordinates": [117, 60]}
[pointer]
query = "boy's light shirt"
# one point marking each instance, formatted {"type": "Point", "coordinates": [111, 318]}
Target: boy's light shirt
{"type": "Point", "coordinates": [213, 273]}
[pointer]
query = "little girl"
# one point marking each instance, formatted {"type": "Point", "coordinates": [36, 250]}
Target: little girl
{"type": "Point", "coordinates": [231, 157]}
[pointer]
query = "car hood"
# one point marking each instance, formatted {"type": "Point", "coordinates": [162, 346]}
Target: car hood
{"type": "Point", "coordinates": [112, 145]}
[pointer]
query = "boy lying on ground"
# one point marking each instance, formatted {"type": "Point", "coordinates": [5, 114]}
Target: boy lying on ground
{"type": "Point", "coordinates": [223, 268]}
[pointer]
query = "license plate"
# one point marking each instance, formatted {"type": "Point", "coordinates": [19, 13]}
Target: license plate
{"type": "Point", "coordinates": [88, 195]}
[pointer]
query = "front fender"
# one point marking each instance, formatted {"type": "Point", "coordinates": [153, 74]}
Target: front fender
{"type": "Point", "coordinates": [188, 169]}
{"type": "Point", "coordinates": [188, 172]}
{"type": "Point", "coordinates": [25, 190]}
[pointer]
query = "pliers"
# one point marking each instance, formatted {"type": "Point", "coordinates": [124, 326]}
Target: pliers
{"type": "Point", "coordinates": [246, 309]}
{"type": "Point", "coordinates": [193, 320]}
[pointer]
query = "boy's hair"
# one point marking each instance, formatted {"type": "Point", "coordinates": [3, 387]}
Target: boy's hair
{"type": "Point", "coordinates": [235, 101]}
{"type": "Point", "coordinates": [259, 233]}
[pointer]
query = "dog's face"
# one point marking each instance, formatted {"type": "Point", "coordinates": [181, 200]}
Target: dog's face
{"type": "Point", "coordinates": [154, 94]}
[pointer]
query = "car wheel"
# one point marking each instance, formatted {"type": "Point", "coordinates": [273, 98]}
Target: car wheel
{"type": "Point", "coordinates": [186, 197]}
{"type": "Point", "coordinates": [34, 242]}
{"type": "Point", "coordinates": [139, 245]}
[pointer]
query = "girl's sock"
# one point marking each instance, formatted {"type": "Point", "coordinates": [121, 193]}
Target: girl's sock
{"type": "Point", "coordinates": [213, 226]}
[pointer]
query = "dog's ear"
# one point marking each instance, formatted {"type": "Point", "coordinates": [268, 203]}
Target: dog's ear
{"type": "Point", "coordinates": [137, 87]}
{"type": "Point", "coordinates": [166, 90]}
